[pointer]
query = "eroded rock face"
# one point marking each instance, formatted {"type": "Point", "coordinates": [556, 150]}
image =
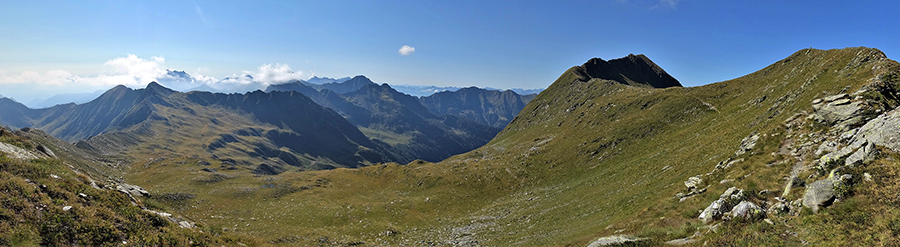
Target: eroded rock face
{"type": "Point", "coordinates": [884, 131]}
{"type": "Point", "coordinates": [840, 110]}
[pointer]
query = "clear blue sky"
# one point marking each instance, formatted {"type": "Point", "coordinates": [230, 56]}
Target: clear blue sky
{"type": "Point", "coordinates": [502, 44]}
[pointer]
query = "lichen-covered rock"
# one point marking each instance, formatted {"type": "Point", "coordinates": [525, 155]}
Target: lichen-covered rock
{"type": "Point", "coordinates": [714, 211]}
{"type": "Point", "coordinates": [863, 154]}
{"type": "Point", "coordinates": [780, 208]}
{"type": "Point", "coordinates": [821, 193]}
{"type": "Point", "coordinates": [724, 204]}
{"type": "Point", "coordinates": [747, 211]}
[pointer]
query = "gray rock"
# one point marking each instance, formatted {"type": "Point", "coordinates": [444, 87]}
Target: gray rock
{"type": "Point", "coordinates": [209, 169]}
{"type": "Point", "coordinates": [827, 147]}
{"type": "Point", "coordinates": [836, 97]}
{"type": "Point", "coordinates": [839, 109]}
{"type": "Point", "coordinates": [132, 190]}
{"type": "Point", "coordinates": [724, 204]}
{"type": "Point", "coordinates": [732, 196]}
{"type": "Point", "coordinates": [884, 131]}
{"type": "Point", "coordinates": [693, 182]}
{"type": "Point", "coordinates": [714, 211]}
{"type": "Point", "coordinates": [45, 150]}
{"type": "Point", "coordinates": [780, 208]}
{"type": "Point", "coordinates": [747, 144]}
{"type": "Point", "coordinates": [725, 164]}
{"type": "Point", "coordinates": [820, 193]}
{"type": "Point", "coordinates": [747, 211]}
{"type": "Point", "coordinates": [619, 240]}
{"type": "Point", "coordinates": [685, 241]}
{"type": "Point", "coordinates": [828, 161]}
{"type": "Point", "coordinates": [864, 154]}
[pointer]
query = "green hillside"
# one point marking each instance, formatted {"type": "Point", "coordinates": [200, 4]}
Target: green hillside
{"type": "Point", "coordinates": [45, 200]}
{"type": "Point", "coordinates": [599, 155]}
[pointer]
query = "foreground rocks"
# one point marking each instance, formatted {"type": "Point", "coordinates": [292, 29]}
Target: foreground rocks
{"type": "Point", "coordinates": [620, 240]}
{"type": "Point", "coordinates": [727, 203]}
{"type": "Point", "coordinates": [821, 193]}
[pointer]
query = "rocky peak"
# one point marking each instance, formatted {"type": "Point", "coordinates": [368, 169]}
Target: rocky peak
{"type": "Point", "coordinates": [635, 70]}
{"type": "Point", "coordinates": [157, 88]}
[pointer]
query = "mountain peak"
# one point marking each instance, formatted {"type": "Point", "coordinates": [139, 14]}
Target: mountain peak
{"type": "Point", "coordinates": [156, 87]}
{"type": "Point", "coordinates": [635, 70]}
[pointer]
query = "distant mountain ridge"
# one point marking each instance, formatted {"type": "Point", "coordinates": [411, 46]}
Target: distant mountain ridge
{"type": "Point", "coordinates": [275, 128]}
{"type": "Point", "coordinates": [396, 120]}
{"type": "Point", "coordinates": [490, 107]}
{"type": "Point", "coordinates": [77, 98]}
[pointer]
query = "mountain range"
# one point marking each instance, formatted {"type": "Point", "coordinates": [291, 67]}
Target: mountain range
{"type": "Point", "coordinates": [384, 125]}
{"type": "Point", "coordinates": [404, 122]}
{"type": "Point", "coordinates": [613, 153]}
{"type": "Point", "coordinates": [277, 129]}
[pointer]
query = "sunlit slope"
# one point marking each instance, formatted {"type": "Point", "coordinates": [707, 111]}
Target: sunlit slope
{"type": "Point", "coordinates": [588, 157]}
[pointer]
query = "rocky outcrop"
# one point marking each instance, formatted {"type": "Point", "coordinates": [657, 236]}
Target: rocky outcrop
{"type": "Point", "coordinates": [620, 240]}
{"type": "Point", "coordinates": [132, 190]}
{"type": "Point", "coordinates": [884, 131]}
{"type": "Point", "coordinates": [693, 186]}
{"type": "Point", "coordinates": [724, 204]}
{"type": "Point", "coordinates": [840, 110]}
{"type": "Point", "coordinates": [747, 144]}
{"type": "Point", "coordinates": [16, 152]}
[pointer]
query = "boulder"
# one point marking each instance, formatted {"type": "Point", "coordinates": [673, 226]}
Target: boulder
{"type": "Point", "coordinates": [693, 182]}
{"type": "Point", "coordinates": [45, 150]}
{"type": "Point", "coordinates": [747, 144]}
{"type": "Point", "coordinates": [821, 193]}
{"type": "Point", "coordinates": [747, 211]}
{"type": "Point", "coordinates": [620, 240]}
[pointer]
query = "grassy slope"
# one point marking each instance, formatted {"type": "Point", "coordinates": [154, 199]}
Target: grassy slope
{"type": "Point", "coordinates": [34, 195]}
{"type": "Point", "coordinates": [583, 159]}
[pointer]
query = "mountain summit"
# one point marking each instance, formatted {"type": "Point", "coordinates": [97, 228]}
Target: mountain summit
{"type": "Point", "coordinates": [634, 70]}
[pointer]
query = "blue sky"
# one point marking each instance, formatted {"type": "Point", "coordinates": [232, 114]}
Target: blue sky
{"type": "Point", "coordinates": [52, 47]}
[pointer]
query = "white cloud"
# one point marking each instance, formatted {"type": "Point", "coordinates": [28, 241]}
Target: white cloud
{"type": "Point", "coordinates": [406, 50]}
{"type": "Point", "coordinates": [52, 77]}
{"type": "Point", "coordinates": [137, 72]}
{"type": "Point", "coordinates": [276, 73]}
